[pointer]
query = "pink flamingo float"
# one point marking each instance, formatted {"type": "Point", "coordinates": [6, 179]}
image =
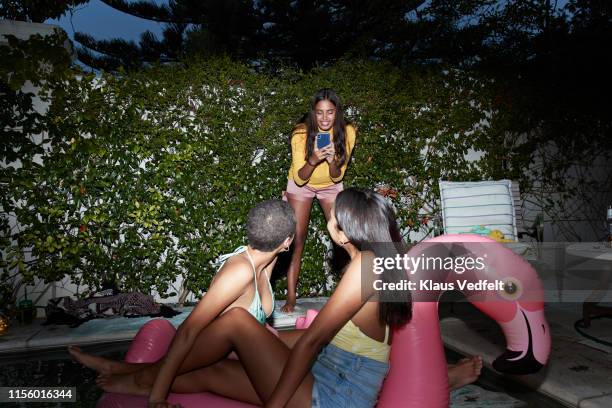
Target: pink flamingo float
{"type": "Point", "coordinates": [418, 375]}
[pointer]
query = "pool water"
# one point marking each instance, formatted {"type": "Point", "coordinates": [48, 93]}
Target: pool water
{"type": "Point", "coordinates": [54, 367]}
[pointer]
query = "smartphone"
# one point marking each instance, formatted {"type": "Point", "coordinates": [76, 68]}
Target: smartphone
{"type": "Point", "coordinates": [322, 140]}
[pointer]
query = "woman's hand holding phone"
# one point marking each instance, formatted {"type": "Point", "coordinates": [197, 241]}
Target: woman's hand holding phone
{"type": "Point", "coordinates": [317, 156]}
{"type": "Point", "coordinates": [330, 153]}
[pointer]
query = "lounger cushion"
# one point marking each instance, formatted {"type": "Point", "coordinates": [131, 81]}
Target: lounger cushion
{"type": "Point", "coordinates": [468, 205]}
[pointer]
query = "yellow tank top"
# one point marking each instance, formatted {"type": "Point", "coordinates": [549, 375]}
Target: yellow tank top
{"type": "Point", "coordinates": [353, 340]}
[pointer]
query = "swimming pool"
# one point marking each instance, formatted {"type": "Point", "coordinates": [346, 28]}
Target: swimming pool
{"type": "Point", "coordinates": [55, 368]}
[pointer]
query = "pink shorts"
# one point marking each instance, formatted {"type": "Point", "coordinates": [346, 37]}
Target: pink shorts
{"type": "Point", "coordinates": [308, 193]}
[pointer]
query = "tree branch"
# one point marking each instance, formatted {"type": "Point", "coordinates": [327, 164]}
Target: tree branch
{"type": "Point", "coordinates": [148, 11]}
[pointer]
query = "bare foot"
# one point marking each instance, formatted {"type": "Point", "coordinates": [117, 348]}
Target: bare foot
{"type": "Point", "coordinates": [466, 371]}
{"type": "Point", "coordinates": [104, 365]}
{"type": "Point", "coordinates": [121, 384]}
{"type": "Point", "coordinates": [99, 364]}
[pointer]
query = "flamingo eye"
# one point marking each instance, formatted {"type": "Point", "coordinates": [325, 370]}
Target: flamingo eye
{"type": "Point", "coordinates": [512, 289]}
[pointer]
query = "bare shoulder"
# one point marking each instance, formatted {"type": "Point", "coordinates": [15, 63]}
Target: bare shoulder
{"type": "Point", "coordinates": [354, 266]}
{"type": "Point", "coordinates": [238, 269]}
{"type": "Point", "coordinates": [360, 272]}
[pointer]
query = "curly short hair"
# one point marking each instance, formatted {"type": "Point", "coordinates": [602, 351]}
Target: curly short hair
{"type": "Point", "coordinates": [269, 223]}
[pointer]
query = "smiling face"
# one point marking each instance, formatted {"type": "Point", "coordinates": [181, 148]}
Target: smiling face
{"type": "Point", "coordinates": [325, 113]}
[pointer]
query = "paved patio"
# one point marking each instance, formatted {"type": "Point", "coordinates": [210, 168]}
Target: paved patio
{"type": "Point", "coordinates": [578, 371]}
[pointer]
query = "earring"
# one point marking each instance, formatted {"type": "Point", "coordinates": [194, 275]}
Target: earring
{"type": "Point", "coordinates": [286, 249]}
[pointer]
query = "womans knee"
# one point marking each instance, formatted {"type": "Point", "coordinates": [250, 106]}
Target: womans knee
{"type": "Point", "coordinates": [237, 314]}
{"type": "Point", "coordinates": [236, 320]}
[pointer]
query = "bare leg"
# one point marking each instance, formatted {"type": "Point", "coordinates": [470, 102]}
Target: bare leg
{"type": "Point", "coordinates": [290, 337]}
{"type": "Point", "coordinates": [104, 365]}
{"type": "Point", "coordinates": [301, 207]}
{"type": "Point", "coordinates": [237, 330]}
{"type": "Point", "coordinates": [340, 257]}
{"type": "Point", "coordinates": [466, 371]}
{"type": "Point", "coordinates": [227, 378]}
{"type": "Point", "coordinates": [326, 206]}
{"type": "Point", "coordinates": [107, 366]}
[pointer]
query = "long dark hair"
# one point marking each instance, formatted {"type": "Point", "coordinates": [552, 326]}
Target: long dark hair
{"type": "Point", "coordinates": [310, 120]}
{"type": "Point", "coordinates": [368, 221]}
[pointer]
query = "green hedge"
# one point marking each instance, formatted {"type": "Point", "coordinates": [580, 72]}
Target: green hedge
{"type": "Point", "coordinates": [149, 175]}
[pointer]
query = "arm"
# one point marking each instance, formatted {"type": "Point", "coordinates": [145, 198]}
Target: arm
{"type": "Point", "coordinates": [342, 306]}
{"type": "Point", "coordinates": [304, 173]}
{"type": "Point", "coordinates": [304, 167]}
{"type": "Point", "coordinates": [228, 286]}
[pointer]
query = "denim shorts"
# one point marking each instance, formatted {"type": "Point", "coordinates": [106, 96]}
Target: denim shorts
{"type": "Point", "coordinates": [344, 379]}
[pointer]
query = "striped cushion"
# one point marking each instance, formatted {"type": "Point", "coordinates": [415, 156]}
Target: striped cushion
{"type": "Point", "coordinates": [468, 205]}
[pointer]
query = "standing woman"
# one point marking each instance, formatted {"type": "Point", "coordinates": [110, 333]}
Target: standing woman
{"type": "Point", "coordinates": [316, 172]}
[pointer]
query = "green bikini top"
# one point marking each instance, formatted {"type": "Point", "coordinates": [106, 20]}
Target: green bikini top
{"type": "Point", "coordinates": [256, 307]}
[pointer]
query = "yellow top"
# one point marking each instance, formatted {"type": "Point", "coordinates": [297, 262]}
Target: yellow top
{"type": "Point", "coordinates": [320, 175]}
{"type": "Point", "coordinates": [353, 340]}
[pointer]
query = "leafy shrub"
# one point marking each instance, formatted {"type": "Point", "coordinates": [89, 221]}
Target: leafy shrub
{"type": "Point", "coordinates": [148, 176]}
